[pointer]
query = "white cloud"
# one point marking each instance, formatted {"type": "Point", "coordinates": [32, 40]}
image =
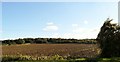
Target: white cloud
{"type": "Point", "coordinates": [74, 25]}
{"type": "Point", "coordinates": [85, 22]}
{"type": "Point", "coordinates": [77, 32]}
{"type": "Point", "coordinates": [55, 35]}
{"type": "Point", "coordinates": [85, 33]}
{"type": "Point", "coordinates": [80, 32]}
{"type": "Point", "coordinates": [50, 27]}
{"type": "Point", "coordinates": [50, 23]}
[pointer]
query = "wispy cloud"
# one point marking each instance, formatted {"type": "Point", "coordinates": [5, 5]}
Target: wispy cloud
{"type": "Point", "coordinates": [80, 32]}
{"type": "Point", "coordinates": [50, 27]}
{"type": "Point", "coordinates": [50, 23]}
{"type": "Point", "coordinates": [85, 22]}
{"type": "Point", "coordinates": [74, 25]}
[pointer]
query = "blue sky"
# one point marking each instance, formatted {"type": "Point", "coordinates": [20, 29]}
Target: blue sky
{"type": "Point", "coordinates": [55, 19]}
{"type": "Point", "coordinates": [0, 13]}
{"type": "Point", "coordinates": [59, 0]}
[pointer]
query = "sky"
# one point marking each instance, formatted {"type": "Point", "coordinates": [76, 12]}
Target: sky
{"type": "Point", "coordinates": [0, 27]}
{"type": "Point", "coordinates": [79, 20]}
{"type": "Point", "coordinates": [59, 0]}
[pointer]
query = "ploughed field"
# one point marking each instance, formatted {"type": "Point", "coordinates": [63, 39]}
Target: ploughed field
{"type": "Point", "coordinates": [69, 50]}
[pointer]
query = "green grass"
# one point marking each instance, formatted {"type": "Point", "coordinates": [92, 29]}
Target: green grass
{"type": "Point", "coordinates": [56, 58]}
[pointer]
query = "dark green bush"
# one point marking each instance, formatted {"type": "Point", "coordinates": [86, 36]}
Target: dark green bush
{"type": "Point", "coordinates": [109, 39]}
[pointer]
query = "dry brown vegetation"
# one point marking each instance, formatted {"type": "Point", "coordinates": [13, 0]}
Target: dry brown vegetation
{"type": "Point", "coordinates": [69, 50]}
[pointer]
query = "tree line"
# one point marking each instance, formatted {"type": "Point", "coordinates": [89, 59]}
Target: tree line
{"type": "Point", "coordinates": [48, 40]}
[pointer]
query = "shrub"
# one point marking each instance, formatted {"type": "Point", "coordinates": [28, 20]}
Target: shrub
{"type": "Point", "coordinates": [109, 39]}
